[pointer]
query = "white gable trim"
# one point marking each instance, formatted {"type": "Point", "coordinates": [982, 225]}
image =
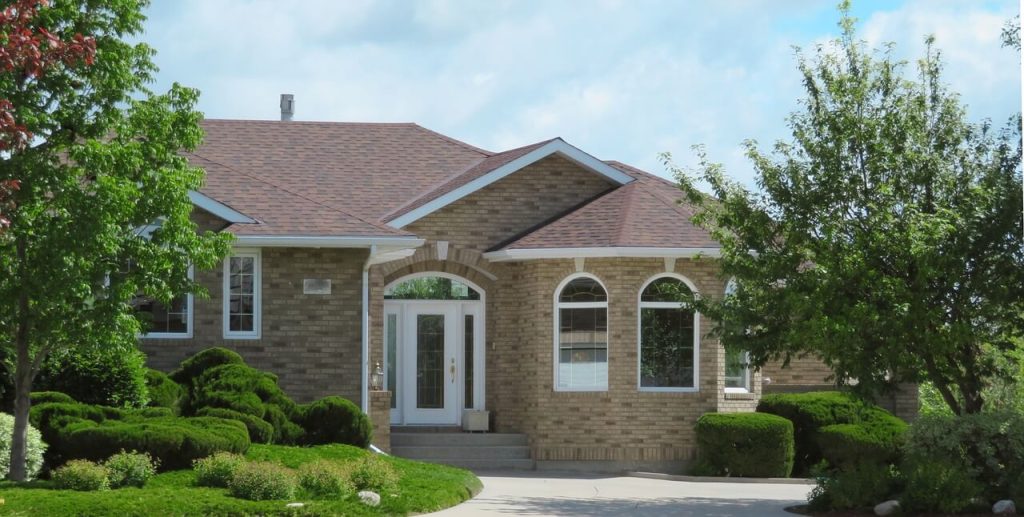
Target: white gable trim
{"type": "Point", "coordinates": [573, 253]}
{"type": "Point", "coordinates": [556, 146]}
{"type": "Point", "coordinates": [218, 209]}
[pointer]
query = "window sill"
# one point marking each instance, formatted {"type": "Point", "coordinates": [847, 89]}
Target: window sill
{"type": "Point", "coordinates": [165, 336]}
{"type": "Point", "coordinates": [739, 395]}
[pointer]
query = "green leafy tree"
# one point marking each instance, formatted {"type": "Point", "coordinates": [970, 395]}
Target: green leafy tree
{"type": "Point", "coordinates": [102, 206]}
{"type": "Point", "coordinates": [885, 238]}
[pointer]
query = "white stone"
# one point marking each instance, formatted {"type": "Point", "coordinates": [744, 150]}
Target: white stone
{"type": "Point", "coordinates": [295, 505]}
{"type": "Point", "coordinates": [1004, 507]}
{"type": "Point", "coordinates": [887, 508]}
{"type": "Point", "coordinates": [369, 498]}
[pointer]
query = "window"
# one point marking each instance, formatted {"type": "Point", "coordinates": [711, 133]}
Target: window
{"type": "Point", "coordinates": [431, 288]}
{"type": "Point", "coordinates": [242, 295]}
{"type": "Point", "coordinates": [669, 337]}
{"type": "Point", "coordinates": [165, 321]}
{"type": "Point", "coordinates": [581, 338]}
{"type": "Point", "coordinates": [737, 362]}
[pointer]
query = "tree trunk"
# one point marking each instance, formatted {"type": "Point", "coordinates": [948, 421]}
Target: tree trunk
{"type": "Point", "coordinates": [22, 382]}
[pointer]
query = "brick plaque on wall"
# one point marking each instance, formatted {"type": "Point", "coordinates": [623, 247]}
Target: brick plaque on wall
{"type": "Point", "coordinates": [316, 286]}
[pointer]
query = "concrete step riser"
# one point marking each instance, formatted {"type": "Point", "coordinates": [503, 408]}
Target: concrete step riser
{"type": "Point", "coordinates": [468, 453]}
{"type": "Point", "coordinates": [457, 439]}
{"type": "Point", "coordinates": [477, 465]}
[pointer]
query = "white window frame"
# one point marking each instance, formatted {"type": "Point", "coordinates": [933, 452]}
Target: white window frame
{"type": "Point", "coordinates": [257, 306]}
{"type": "Point", "coordinates": [189, 309]}
{"type": "Point", "coordinates": [730, 287]}
{"type": "Point", "coordinates": [557, 317]}
{"type": "Point", "coordinates": [640, 331]}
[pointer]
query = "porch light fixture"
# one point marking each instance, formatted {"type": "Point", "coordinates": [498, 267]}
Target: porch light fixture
{"type": "Point", "coordinates": [377, 378]}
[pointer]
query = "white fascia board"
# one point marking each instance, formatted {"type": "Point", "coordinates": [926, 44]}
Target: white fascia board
{"type": "Point", "coordinates": [559, 253]}
{"type": "Point", "coordinates": [557, 146]}
{"type": "Point", "coordinates": [218, 209]}
{"type": "Point", "coordinates": [389, 256]}
{"type": "Point", "coordinates": [308, 241]}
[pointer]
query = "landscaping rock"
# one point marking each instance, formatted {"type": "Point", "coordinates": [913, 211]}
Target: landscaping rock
{"type": "Point", "coordinates": [1004, 507]}
{"type": "Point", "coordinates": [295, 505]}
{"type": "Point", "coordinates": [887, 508]}
{"type": "Point", "coordinates": [369, 498]}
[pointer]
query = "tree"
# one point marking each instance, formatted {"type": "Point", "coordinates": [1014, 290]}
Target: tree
{"type": "Point", "coordinates": [101, 165]}
{"type": "Point", "coordinates": [885, 238]}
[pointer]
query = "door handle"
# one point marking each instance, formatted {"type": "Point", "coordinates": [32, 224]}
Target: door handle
{"type": "Point", "coordinates": [451, 369]}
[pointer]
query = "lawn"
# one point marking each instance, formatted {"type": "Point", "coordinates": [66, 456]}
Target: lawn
{"type": "Point", "coordinates": [422, 488]}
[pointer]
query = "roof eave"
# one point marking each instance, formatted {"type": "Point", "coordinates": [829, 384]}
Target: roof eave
{"type": "Point", "coordinates": [218, 208]}
{"type": "Point", "coordinates": [510, 255]}
{"type": "Point", "coordinates": [314, 241]}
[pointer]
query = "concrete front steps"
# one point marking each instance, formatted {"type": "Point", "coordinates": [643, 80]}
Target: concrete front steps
{"type": "Point", "coordinates": [486, 451]}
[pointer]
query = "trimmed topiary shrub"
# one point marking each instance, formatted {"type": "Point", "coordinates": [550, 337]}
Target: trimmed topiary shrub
{"type": "Point", "coordinates": [163, 392]}
{"type": "Point", "coordinates": [373, 473]}
{"type": "Point", "coordinates": [110, 376]}
{"type": "Point", "coordinates": [336, 420]}
{"type": "Point", "coordinates": [745, 445]}
{"type": "Point", "coordinates": [285, 430]}
{"type": "Point", "coordinates": [129, 469]}
{"type": "Point", "coordinates": [260, 481]}
{"type": "Point", "coordinates": [218, 469]}
{"type": "Point", "coordinates": [191, 368]}
{"type": "Point", "coordinates": [249, 391]}
{"type": "Point", "coordinates": [260, 431]}
{"type": "Point", "coordinates": [35, 447]}
{"type": "Point", "coordinates": [82, 475]}
{"type": "Point", "coordinates": [44, 397]}
{"type": "Point", "coordinates": [878, 441]}
{"type": "Point", "coordinates": [325, 479]}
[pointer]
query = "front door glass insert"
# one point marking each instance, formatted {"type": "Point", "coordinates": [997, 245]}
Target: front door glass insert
{"type": "Point", "coordinates": [430, 361]}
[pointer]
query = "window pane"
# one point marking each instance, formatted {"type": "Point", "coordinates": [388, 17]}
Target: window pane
{"type": "Point", "coordinates": [468, 332]}
{"type": "Point", "coordinates": [242, 294]}
{"type": "Point", "coordinates": [583, 348]}
{"type": "Point", "coordinates": [431, 288]}
{"type": "Point", "coordinates": [583, 290]}
{"type": "Point", "coordinates": [736, 368]}
{"type": "Point", "coordinates": [664, 289]}
{"type": "Point", "coordinates": [163, 319]}
{"type": "Point", "coordinates": [666, 348]}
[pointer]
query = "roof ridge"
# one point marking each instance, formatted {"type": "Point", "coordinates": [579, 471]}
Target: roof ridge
{"type": "Point", "coordinates": [296, 194]}
{"type": "Point", "coordinates": [455, 141]}
{"type": "Point", "coordinates": [313, 122]}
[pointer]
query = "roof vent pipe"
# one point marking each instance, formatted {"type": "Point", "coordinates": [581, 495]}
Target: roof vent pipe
{"type": "Point", "coordinates": [287, 106]}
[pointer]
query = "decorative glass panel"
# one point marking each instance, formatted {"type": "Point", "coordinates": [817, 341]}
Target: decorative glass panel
{"type": "Point", "coordinates": [666, 348]}
{"type": "Point", "coordinates": [390, 357]}
{"type": "Point", "coordinates": [468, 332]}
{"type": "Point", "coordinates": [583, 348]}
{"type": "Point", "coordinates": [431, 288]}
{"type": "Point", "coordinates": [664, 289]}
{"type": "Point", "coordinates": [583, 290]}
{"type": "Point", "coordinates": [430, 365]}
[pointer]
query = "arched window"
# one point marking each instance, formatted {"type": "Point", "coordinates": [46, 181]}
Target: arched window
{"type": "Point", "coordinates": [669, 337]}
{"type": "Point", "coordinates": [431, 288]}
{"type": "Point", "coordinates": [737, 362]}
{"type": "Point", "coordinates": [581, 340]}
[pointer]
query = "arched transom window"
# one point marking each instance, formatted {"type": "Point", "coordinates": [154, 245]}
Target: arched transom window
{"type": "Point", "coordinates": [431, 288]}
{"type": "Point", "coordinates": [668, 336]}
{"type": "Point", "coordinates": [581, 341]}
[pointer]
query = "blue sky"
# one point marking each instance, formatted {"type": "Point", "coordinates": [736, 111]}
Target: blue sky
{"type": "Point", "coordinates": [621, 79]}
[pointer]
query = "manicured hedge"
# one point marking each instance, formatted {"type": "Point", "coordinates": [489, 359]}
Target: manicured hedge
{"type": "Point", "coordinates": [194, 366]}
{"type": "Point", "coordinates": [163, 392]}
{"type": "Point", "coordinates": [249, 391]}
{"type": "Point", "coordinates": [876, 441]}
{"type": "Point", "coordinates": [745, 445]}
{"type": "Point", "coordinates": [43, 397]}
{"type": "Point", "coordinates": [260, 431]}
{"type": "Point", "coordinates": [336, 420]}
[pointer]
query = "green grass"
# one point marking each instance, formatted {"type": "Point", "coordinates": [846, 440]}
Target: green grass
{"type": "Point", "coordinates": [422, 488]}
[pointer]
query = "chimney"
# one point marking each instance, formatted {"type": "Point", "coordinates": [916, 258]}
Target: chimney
{"type": "Point", "coordinates": [287, 106]}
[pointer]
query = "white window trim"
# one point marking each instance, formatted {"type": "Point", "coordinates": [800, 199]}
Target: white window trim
{"type": "Point", "coordinates": [257, 306]}
{"type": "Point", "coordinates": [188, 320]}
{"type": "Point", "coordinates": [730, 287]}
{"type": "Point", "coordinates": [557, 317]}
{"type": "Point", "coordinates": [667, 305]}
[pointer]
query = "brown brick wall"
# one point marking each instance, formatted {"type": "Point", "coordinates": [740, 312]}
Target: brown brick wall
{"type": "Point", "coordinates": [801, 371]}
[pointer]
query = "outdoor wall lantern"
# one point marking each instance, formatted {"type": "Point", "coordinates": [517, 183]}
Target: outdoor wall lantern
{"type": "Point", "coordinates": [377, 378]}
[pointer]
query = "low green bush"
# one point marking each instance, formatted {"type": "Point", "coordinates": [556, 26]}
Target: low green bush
{"type": "Point", "coordinates": [44, 397]}
{"type": "Point", "coordinates": [260, 431]}
{"type": "Point", "coordinates": [218, 469]}
{"type": "Point", "coordinates": [286, 432]}
{"type": "Point", "coordinates": [857, 485]}
{"type": "Point", "coordinates": [745, 445]}
{"type": "Point", "coordinates": [191, 368]}
{"type": "Point", "coordinates": [163, 392]}
{"type": "Point", "coordinates": [249, 391]}
{"type": "Point", "coordinates": [325, 479]}
{"type": "Point", "coordinates": [937, 485]}
{"type": "Point", "coordinates": [82, 475]}
{"type": "Point", "coordinates": [112, 375]}
{"type": "Point", "coordinates": [129, 469]}
{"type": "Point", "coordinates": [261, 480]}
{"type": "Point", "coordinates": [879, 441]}
{"type": "Point", "coordinates": [336, 420]}
{"type": "Point", "coordinates": [373, 473]}
{"type": "Point", "coordinates": [35, 448]}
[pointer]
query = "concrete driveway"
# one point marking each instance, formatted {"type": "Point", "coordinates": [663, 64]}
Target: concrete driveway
{"type": "Point", "coordinates": [544, 493]}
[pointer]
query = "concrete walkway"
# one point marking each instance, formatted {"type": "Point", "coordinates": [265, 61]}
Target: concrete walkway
{"type": "Point", "coordinates": [544, 493]}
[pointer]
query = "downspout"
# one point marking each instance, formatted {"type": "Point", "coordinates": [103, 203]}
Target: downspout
{"type": "Point", "coordinates": [366, 330]}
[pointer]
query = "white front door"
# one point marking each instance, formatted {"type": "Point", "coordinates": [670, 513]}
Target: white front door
{"type": "Point", "coordinates": [430, 366]}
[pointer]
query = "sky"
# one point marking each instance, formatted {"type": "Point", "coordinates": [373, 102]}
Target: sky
{"type": "Point", "coordinates": [620, 79]}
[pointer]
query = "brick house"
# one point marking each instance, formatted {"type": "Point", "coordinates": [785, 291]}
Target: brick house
{"type": "Point", "coordinates": [530, 283]}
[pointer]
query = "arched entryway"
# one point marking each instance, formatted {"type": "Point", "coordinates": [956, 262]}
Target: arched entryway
{"type": "Point", "coordinates": [433, 348]}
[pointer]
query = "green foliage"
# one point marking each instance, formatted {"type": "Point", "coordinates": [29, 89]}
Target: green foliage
{"type": "Point", "coordinates": [81, 475]}
{"type": "Point", "coordinates": [285, 430]}
{"type": "Point", "coordinates": [878, 441]}
{"type": "Point", "coordinates": [43, 397]}
{"type": "Point", "coordinates": [36, 447]}
{"type": "Point", "coordinates": [246, 390]}
{"type": "Point", "coordinates": [325, 479]}
{"type": "Point", "coordinates": [130, 469]}
{"type": "Point", "coordinates": [373, 473]}
{"type": "Point", "coordinates": [937, 485]}
{"type": "Point", "coordinates": [191, 368]}
{"type": "Point", "coordinates": [163, 392]}
{"type": "Point", "coordinates": [884, 238]}
{"type": "Point", "coordinates": [260, 481]}
{"type": "Point", "coordinates": [260, 431]}
{"type": "Point", "coordinates": [112, 375]}
{"type": "Point", "coordinates": [745, 445]}
{"type": "Point", "coordinates": [336, 420]}
{"type": "Point", "coordinates": [218, 469]}
{"type": "Point", "coordinates": [857, 485]}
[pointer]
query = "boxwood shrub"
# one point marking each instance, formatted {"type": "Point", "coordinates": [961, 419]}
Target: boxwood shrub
{"type": "Point", "coordinates": [163, 392]}
{"type": "Point", "coordinates": [336, 420]}
{"type": "Point", "coordinates": [113, 375]}
{"type": "Point", "coordinates": [43, 397]}
{"type": "Point", "coordinates": [191, 368]}
{"type": "Point", "coordinates": [744, 445]}
{"type": "Point", "coordinates": [260, 431]}
{"type": "Point", "coordinates": [877, 441]}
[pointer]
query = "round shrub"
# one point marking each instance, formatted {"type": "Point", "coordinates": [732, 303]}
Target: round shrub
{"type": "Point", "coordinates": [285, 431]}
{"type": "Point", "coordinates": [44, 397]}
{"type": "Point", "coordinates": [112, 375]}
{"type": "Point", "coordinates": [129, 469]}
{"type": "Point", "coordinates": [246, 390]}
{"type": "Point", "coordinates": [191, 368]}
{"type": "Point", "coordinates": [878, 441]}
{"type": "Point", "coordinates": [336, 420]}
{"type": "Point", "coordinates": [325, 479]}
{"type": "Point", "coordinates": [373, 473]}
{"type": "Point", "coordinates": [218, 469]}
{"type": "Point", "coordinates": [81, 475]}
{"type": "Point", "coordinates": [163, 392]}
{"type": "Point", "coordinates": [34, 448]}
{"type": "Point", "coordinates": [260, 481]}
{"type": "Point", "coordinates": [260, 431]}
{"type": "Point", "coordinates": [744, 445]}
